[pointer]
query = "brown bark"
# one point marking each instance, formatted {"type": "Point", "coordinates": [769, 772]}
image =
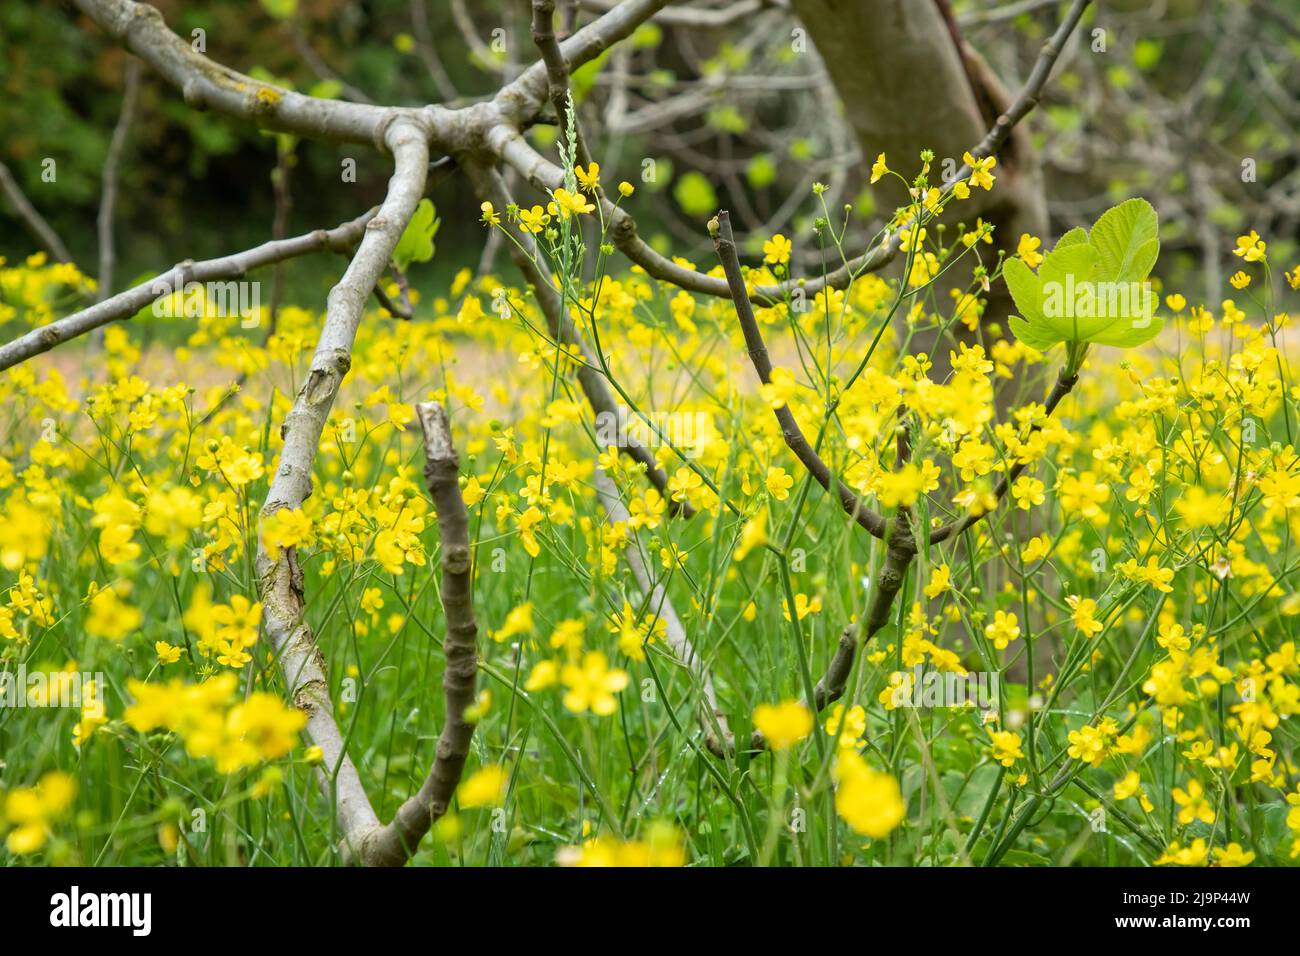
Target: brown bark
{"type": "Point", "coordinates": [908, 83]}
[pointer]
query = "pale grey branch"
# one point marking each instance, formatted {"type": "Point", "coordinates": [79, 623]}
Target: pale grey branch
{"type": "Point", "coordinates": [126, 304]}
{"type": "Point", "coordinates": [31, 218]}
{"type": "Point", "coordinates": [279, 578]}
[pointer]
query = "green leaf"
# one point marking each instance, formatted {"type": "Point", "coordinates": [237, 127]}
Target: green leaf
{"type": "Point", "coordinates": [326, 90]}
{"type": "Point", "coordinates": [280, 9]}
{"type": "Point", "coordinates": [647, 36]}
{"type": "Point", "coordinates": [1091, 288]}
{"type": "Point", "coordinates": [1147, 53]}
{"type": "Point", "coordinates": [583, 78]}
{"type": "Point", "coordinates": [695, 195]}
{"type": "Point", "coordinates": [1077, 234]}
{"type": "Point", "coordinates": [416, 244]}
{"type": "Point", "coordinates": [1123, 237]}
{"type": "Point", "coordinates": [761, 171]}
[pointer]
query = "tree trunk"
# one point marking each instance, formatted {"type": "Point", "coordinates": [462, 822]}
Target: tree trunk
{"type": "Point", "coordinates": [908, 82]}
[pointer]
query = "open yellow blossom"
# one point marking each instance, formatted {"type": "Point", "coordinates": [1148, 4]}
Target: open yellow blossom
{"type": "Point", "coordinates": [783, 725]}
{"type": "Point", "coordinates": [1027, 249]}
{"type": "Point", "coordinates": [878, 168]}
{"type": "Point", "coordinates": [940, 581]}
{"type": "Point", "coordinates": [981, 175]}
{"type": "Point", "coordinates": [591, 685]}
{"type": "Point", "coordinates": [1003, 629]}
{"type": "Point", "coordinates": [485, 787]}
{"type": "Point", "coordinates": [589, 178]}
{"type": "Point", "coordinates": [778, 483]}
{"type": "Point", "coordinates": [571, 204]}
{"type": "Point", "coordinates": [1006, 747]}
{"type": "Point", "coordinates": [869, 801]}
{"type": "Point", "coordinates": [776, 251]}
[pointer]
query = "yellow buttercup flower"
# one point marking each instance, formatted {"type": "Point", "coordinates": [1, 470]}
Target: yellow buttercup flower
{"type": "Point", "coordinates": [486, 787]}
{"type": "Point", "coordinates": [783, 725]}
{"type": "Point", "coordinates": [878, 168]}
{"type": "Point", "coordinates": [589, 178]}
{"type": "Point", "coordinates": [776, 251]}
{"type": "Point", "coordinates": [869, 801]}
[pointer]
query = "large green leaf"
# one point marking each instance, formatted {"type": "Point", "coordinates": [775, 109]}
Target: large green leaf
{"type": "Point", "coordinates": [1091, 288]}
{"type": "Point", "coordinates": [1126, 240]}
{"type": "Point", "coordinates": [416, 244]}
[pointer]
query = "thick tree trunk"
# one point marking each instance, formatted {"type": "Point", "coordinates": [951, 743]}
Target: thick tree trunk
{"type": "Point", "coordinates": [908, 82]}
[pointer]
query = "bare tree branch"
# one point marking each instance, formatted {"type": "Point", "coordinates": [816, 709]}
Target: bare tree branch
{"type": "Point", "coordinates": [393, 844]}
{"type": "Point", "coordinates": [699, 18]}
{"type": "Point", "coordinates": [489, 185]}
{"type": "Point", "coordinates": [975, 18]}
{"type": "Point", "coordinates": [126, 304]}
{"type": "Point", "coordinates": [505, 142]}
{"type": "Point", "coordinates": [520, 99]}
{"type": "Point", "coordinates": [861, 512]}
{"type": "Point", "coordinates": [429, 52]}
{"type": "Point", "coordinates": [557, 72]}
{"type": "Point", "coordinates": [316, 63]}
{"type": "Point", "coordinates": [280, 580]}
{"type": "Point", "coordinates": [112, 162]}
{"type": "Point", "coordinates": [206, 84]}
{"type": "Point", "coordinates": [33, 220]}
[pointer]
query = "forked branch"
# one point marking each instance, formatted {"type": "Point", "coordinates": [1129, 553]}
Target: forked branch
{"type": "Point", "coordinates": [505, 142]}
{"type": "Point", "coordinates": [280, 580]}
{"type": "Point", "coordinates": [489, 186]}
{"type": "Point", "coordinates": [36, 223]}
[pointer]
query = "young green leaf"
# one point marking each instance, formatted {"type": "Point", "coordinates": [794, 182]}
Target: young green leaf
{"type": "Point", "coordinates": [416, 244]}
{"type": "Point", "coordinates": [1091, 288]}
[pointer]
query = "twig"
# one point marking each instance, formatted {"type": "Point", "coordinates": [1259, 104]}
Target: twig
{"type": "Point", "coordinates": [557, 73]}
{"type": "Point", "coordinates": [283, 191]}
{"type": "Point", "coordinates": [489, 185]}
{"type": "Point", "coordinates": [112, 162]}
{"type": "Point", "coordinates": [521, 98]}
{"type": "Point", "coordinates": [429, 52]}
{"type": "Point", "coordinates": [1064, 383]}
{"type": "Point", "coordinates": [700, 19]}
{"type": "Point", "coordinates": [318, 65]}
{"type": "Point", "coordinates": [975, 18]}
{"type": "Point", "coordinates": [33, 220]}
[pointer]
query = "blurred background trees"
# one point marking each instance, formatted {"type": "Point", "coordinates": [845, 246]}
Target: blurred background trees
{"type": "Point", "coordinates": [1194, 104]}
